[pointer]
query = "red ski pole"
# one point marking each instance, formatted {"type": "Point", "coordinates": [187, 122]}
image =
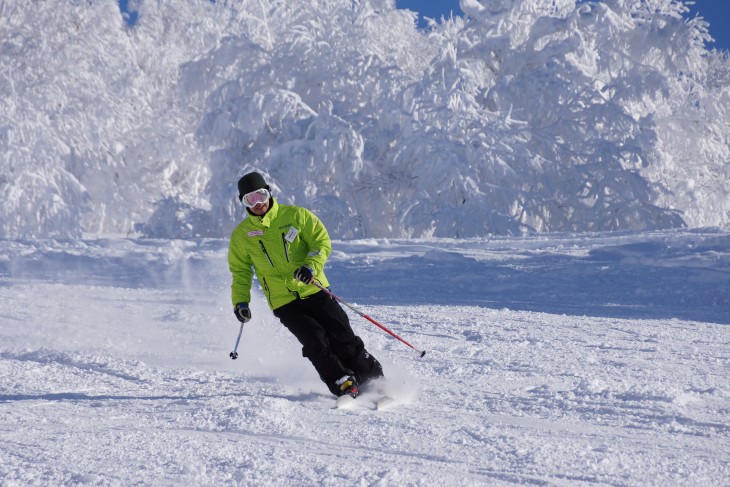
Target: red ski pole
{"type": "Point", "coordinates": [337, 298]}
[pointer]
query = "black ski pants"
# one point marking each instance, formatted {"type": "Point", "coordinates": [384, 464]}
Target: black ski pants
{"type": "Point", "coordinates": [323, 328]}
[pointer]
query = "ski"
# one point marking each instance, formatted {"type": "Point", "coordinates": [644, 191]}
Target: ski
{"type": "Point", "coordinates": [385, 402]}
{"type": "Point", "coordinates": [379, 403]}
{"type": "Point", "coordinates": [345, 402]}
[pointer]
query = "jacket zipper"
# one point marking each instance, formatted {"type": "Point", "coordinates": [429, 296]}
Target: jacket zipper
{"type": "Point", "coordinates": [266, 253]}
{"type": "Point", "coordinates": [266, 289]}
{"type": "Point", "coordinates": [286, 249]}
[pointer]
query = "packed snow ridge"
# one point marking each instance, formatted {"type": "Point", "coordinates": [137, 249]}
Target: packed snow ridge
{"type": "Point", "coordinates": [520, 117]}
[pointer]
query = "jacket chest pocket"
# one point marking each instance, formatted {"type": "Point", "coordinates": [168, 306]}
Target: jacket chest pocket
{"type": "Point", "coordinates": [266, 253]}
{"type": "Point", "coordinates": [275, 251]}
{"type": "Point", "coordinates": [285, 243]}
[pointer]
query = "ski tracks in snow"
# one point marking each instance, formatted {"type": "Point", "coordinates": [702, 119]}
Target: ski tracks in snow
{"type": "Point", "coordinates": [505, 397]}
{"type": "Point", "coordinates": [133, 385]}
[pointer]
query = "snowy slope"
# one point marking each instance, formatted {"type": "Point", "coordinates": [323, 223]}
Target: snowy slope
{"type": "Point", "coordinates": [564, 360]}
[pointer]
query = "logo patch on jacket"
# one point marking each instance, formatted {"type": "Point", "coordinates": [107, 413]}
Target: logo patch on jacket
{"type": "Point", "coordinates": [255, 233]}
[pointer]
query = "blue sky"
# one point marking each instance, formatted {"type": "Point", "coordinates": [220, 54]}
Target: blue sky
{"type": "Point", "coordinates": [716, 12]}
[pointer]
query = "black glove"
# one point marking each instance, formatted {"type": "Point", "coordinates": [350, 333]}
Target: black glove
{"type": "Point", "coordinates": [304, 274]}
{"type": "Point", "coordinates": [242, 312]}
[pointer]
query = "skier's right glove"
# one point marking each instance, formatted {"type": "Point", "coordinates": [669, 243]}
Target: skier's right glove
{"type": "Point", "coordinates": [242, 312]}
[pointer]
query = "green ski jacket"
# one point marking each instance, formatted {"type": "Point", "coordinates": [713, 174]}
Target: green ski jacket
{"type": "Point", "coordinates": [275, 245]}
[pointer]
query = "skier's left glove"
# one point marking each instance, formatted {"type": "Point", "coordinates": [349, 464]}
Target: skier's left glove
{"type": "Point", "coordinates": [304, 274]}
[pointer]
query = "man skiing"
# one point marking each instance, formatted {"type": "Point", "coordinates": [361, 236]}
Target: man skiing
{"type": "Point", "coordinates": [287, 246]}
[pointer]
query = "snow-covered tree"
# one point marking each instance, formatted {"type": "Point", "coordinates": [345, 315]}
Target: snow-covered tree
{"type": "Point", "coordinates": [522, 116]}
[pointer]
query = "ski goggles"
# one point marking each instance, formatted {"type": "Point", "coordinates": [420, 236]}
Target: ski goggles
{"type": "Point", "coordinates": [256, 197]}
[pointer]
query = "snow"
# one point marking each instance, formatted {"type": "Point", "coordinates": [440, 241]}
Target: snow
{"type": "Point", "coordinates": [562, 359]}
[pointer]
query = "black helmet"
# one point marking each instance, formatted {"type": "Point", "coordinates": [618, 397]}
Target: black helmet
{"type": "Point", "coordinates": [251, 182]}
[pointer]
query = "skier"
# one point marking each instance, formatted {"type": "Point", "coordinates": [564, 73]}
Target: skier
{"type": "Point", "coordinates": [287, 246]}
